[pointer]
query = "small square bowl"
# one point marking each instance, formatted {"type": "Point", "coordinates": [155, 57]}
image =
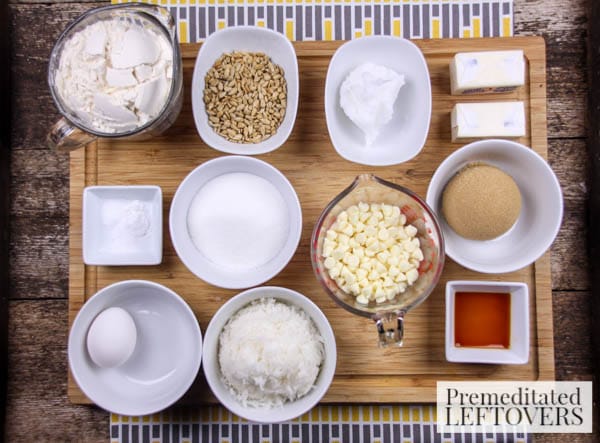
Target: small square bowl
{"type": "Point", "coordinates": [518, 349]}
{"type": "Point", "coordinates": [247, 39]}
{"type": "Point", "coordinates": [122, 225]}
{"type": "Point", "coordinates": [403, 137]}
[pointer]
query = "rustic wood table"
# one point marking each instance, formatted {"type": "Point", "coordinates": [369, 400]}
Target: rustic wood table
{"type": "Point", "coordinates": [37, 408]}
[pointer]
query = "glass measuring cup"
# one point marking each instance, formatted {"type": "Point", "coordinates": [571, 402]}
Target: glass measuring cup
{"type": "Point", "coordinates": [72, 131]}
{"type": "Point", "coordinates": [388, 316]}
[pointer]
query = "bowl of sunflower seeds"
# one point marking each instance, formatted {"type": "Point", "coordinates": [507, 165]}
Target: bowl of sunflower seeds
{"type": "Point", "coordinates": [245, 90]}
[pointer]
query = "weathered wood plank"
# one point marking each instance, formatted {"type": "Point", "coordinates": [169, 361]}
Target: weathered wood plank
{"type": "Point", "coordinates": [39, 258]}
{"type": "Point", "coordinates": [5, 93]}
{"type": "Point", "coordinates": [593, 157]}
{"type": "Point", "coordinates": [573, 335]}
{"type": "Point", "coordinates": [564, 25]}
{"type": "Point", "coordinates": [570, 268]}
{"type": "Point", "coordinates": [40, 184]}
{"type": "Point", "coordinates": [37, 405]}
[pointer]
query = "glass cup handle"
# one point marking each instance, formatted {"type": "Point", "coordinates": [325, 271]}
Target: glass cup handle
{"type": "Point", "coordinates": [65, 137]}
{"type": "Point", "coordinates": [390, 328]}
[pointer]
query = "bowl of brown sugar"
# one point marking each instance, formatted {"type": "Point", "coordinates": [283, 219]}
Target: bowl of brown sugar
{"type": "Point", "coordinates": [499, 204]}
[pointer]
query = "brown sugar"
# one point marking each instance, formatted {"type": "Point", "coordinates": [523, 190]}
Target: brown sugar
{"type": "Point", "coordinates": [481, 202]}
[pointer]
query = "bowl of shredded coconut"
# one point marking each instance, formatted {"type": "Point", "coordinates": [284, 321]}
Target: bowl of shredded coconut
{"type": "Point", "coordinates": [269, 354]}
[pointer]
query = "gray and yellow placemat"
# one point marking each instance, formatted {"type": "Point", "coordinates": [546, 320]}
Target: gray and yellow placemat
{"type": "Point", "coordinates": [321, 20]}
{"type": "Point", "coordinates": [344, 19]}
{"type": "Point", "coordinates": [323, 424]}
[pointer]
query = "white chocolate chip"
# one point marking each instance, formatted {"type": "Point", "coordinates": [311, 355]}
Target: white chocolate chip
{"type": "Point", "coordinates": [371, 253]}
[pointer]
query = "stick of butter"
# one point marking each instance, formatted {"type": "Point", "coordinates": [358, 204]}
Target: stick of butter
{"type": "Point", "coordinates": [487, 72]}
{"type": "Point", "coordinates": [489, 119]}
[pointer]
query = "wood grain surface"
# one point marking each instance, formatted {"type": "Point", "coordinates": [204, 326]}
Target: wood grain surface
{"type": "Point", "coordinates": [364, 372]}
{"type": "Point", "coordinates": [37, 406]}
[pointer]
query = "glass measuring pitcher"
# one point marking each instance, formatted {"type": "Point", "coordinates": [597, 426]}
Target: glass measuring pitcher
{"type": "Point", "coordinates": [389, 315]}
{"type": "Point", "coordinates": [78, 125]}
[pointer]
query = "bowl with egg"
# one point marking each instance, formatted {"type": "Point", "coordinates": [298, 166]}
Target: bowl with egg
{"type": "Point", "coordinates": [378, 100]}
{"type": "Point", "coordinates": [487, 322]}
{"type": "Point", "coordinates": [135, 347]}
{"type": "Point", "coordinates": [245, 90]}
{"type": "Point", "coordinates": [269, 354]}
{"type": "Point", "coordinates": [499, 204]}
{"type": "Point", "coordinates": [235, 221]}
{"type": "Point", "coordinates": [378, 251]}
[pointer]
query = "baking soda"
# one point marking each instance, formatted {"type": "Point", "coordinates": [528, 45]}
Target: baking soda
{"type": "Point", "coordinates": [239, 221]}
{"type": "Point", "coordinates": [127, 224]}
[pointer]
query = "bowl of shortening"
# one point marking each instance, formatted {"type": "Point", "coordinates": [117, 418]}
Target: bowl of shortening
{"type": "Point", "coordinates": [378, 251]}
{"type": "Point", "coordinates": [235, 221]}
{"type": "Point", "coordinates": [499, 204]}
{"type": "Point", "coordinates": [135, 347]}
{"type": "Point", "coordinates": [378, 100]}
{"type": "Point", "coordinates": [269, 354]}
{"type": "Point", "coordinates": [245, 90]}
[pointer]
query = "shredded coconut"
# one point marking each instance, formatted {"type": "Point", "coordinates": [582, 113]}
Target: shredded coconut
{"type": "Point", "coordinates": [270, 353]}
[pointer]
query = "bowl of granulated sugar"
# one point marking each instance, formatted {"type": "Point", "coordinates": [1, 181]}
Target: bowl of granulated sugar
{"type": "Point", "coordinates": [235, 221]}
{"type": "Point", "coordinates": [499, 205]}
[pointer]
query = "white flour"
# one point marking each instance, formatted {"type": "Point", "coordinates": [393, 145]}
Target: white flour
{"type": "Point", "coordinates": [115, 75]}
{"type": "Point", "coordinates": [238, 221]}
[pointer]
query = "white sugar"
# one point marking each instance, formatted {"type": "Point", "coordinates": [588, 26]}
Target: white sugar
{"type": "Point", "coordinates": [239, 221]}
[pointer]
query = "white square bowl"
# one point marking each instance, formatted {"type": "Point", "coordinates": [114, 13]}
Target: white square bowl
{"type": "Point", "coordinates": [518, 350]}
{"type": "Point", "coordinates": [105, 212]}
{"type": "Point", "coordinates": [247, 39]}
{"type": "Point", "coordinates": [404, 136]}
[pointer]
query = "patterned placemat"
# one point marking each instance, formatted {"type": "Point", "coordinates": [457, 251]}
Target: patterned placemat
{"type": "Point", "coordinates": [323, 424]}
{"type": "Point", "coordinates": [321, 20]}
{"type": "Point", "coordinates": [344, 19]}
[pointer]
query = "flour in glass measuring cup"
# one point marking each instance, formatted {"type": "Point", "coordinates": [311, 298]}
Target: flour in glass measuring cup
{"type": "Point", "coordinates": [115, 75]}
{"type": "Point", "coordinates": [238, 220]}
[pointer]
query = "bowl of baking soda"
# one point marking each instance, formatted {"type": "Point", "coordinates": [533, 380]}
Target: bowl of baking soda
{"type": "Point", "coordinates": [235, 221]}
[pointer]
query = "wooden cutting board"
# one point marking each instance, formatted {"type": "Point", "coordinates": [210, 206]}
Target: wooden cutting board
{"type": "Point", "coordinates": [365, 373]}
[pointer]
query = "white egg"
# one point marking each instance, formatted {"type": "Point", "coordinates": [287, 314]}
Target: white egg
{"type": "Point", "coordinates": [111, 338]}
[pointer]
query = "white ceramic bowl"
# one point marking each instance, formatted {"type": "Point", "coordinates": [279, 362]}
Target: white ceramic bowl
{"type": "Point", "coordinates": [518, 350]}
{"type": "Point", "coordinates": [211, 364]}
{"type": "Point", "coordinates": [166, 358]}
{"type": "Point", "coordinates": [541, 207]}
{"type": "Point", "coordinates": [248, 39]}
{"type": "Point", "coordinates": [404, 136]}
{"type": "Point", "coordinates": [202, 266]}
{"type": "Point", "coordinates": [105, 223]}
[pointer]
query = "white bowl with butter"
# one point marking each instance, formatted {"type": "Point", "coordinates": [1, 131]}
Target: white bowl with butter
{"type": "Point", "coordinates": [398, 139]}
